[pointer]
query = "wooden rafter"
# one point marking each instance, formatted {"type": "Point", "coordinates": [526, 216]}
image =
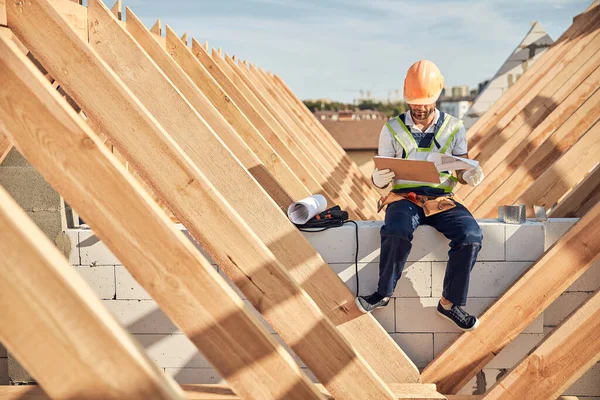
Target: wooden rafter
{"type": "Point", "coordinates": [580, 199]}
{"type": "Point", "coordinates": [552, 274]}
{"type": "Point", "coordinates": [560, 360]}
{"type": "Point", "coordinates": [577, 111]}
{"type": "Point", "coordinates": [5, 146]}
{"type": "Point", "coordinates": [70, 343]}
{"type": "Point", "coordinates": [228, 176]}
{"type": "Point", "coordinates": [72, 158]}
{"type": "Point", "coordinates": [529, 84]}
{"type": "Point", "coordinates": [208, 111]}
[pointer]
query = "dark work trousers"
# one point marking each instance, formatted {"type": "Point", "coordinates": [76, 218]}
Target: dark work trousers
{"type": "Point", "coordinates": [457, 224]}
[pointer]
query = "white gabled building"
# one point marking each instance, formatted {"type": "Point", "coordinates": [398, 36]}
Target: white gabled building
{"type": "Point", "coordinates": [533, 45]}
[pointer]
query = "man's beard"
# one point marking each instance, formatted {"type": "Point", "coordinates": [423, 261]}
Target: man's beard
{"type": "Point", "coordinates": [421, 115]}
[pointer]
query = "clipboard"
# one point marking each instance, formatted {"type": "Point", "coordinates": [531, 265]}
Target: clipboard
{"type": "Point", "coordinates": [409, 170]}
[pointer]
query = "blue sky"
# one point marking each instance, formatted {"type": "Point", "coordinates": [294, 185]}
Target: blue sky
{"type": "Point", "coordinates": [334, 48]}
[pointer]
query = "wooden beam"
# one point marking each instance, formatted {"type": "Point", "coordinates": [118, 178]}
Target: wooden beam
{"type": "Point", "coordinates": [210, 114]}
{"type": "Point", "coordinates": [565, 173]}
{"type": "Point", "coordinates": [245, 259]}
{"type": "Point", "coordinates": [308, 118]}
{"type": "Point", "coordinates": [317, 148]}
{"type": "Point", "coordinates": [184, 38]}
{"type": "Point", "coordinates": [542, 158]}
{"type": "Point", "coordinates": [580, 199]}
{"type": "Point", "coordinates": [54, 325]}
{"type": "Point", "coordinates": [117, 9]}
{"type": "Point", "coordinates": [291, 146]}
{"type": "Point", "coordinates": [5, 146]}
{"type": "Point", "coordinates": [244, 118]}
{"type": "Point", "coordinates": [532, 80]}
{"type": "Point", "coordinates": [229, 107]}
{"type": "Point", "coordinates": [156, 28]}
{"type": "Point", "coordinates": [77, 164]}
{"type": "Point", "coordinates": [289, 246]}
{"type": "Point", "coordinates": [513, 152]}
{"type": "Point", "coordinates": [552, 274]}
{"type": "Point", "coordinates": [560, 360]}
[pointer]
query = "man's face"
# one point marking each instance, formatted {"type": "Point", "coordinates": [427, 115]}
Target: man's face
{"type": "Point", "coordinates": [421, 112]}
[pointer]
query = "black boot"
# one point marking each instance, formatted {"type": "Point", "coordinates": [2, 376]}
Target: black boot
{"type": "Point", "coordinates": [369, 303]}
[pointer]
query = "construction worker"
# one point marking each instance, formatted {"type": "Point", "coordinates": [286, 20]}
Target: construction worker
{"type": "Point", "coordinates": [414, 135]}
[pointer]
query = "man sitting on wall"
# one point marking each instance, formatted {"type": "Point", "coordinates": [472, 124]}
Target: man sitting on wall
{"type": "Point", "coordinates": [414, 135]}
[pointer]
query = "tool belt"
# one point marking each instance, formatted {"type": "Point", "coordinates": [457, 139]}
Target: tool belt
{"type": "Point", "coordinates": [431, 205]}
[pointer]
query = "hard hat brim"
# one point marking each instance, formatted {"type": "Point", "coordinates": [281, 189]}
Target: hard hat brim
{"type": "Point", "coordinates": [423, 101]}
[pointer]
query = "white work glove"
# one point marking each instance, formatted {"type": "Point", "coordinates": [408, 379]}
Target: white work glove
{"type": "Point", "coordinates": [382, 178]}
{"type": "Point", "coordinates": [473, 176]}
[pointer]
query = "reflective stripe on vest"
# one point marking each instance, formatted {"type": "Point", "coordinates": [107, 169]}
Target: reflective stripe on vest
{"type": "Point", "coordinates": [412, 151]}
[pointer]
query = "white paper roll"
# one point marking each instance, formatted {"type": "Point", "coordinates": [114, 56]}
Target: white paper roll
{"type": "Point", "coordinates": [302, 211]}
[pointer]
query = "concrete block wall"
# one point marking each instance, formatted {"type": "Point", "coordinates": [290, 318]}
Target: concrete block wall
{"type": "Point", "coordinates": [507, 252]}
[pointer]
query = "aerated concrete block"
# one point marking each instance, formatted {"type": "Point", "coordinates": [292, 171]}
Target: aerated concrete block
{"type": "Point", "coordinates": [127, 287]}
{"type": "Point", "coordinates": [507, 358]}
{"type": "Point", "coordinates": [4, 380]}
{"type": "Point", "coordinates": [555, 228]}
{"type": "Point", "coordinates": [190, 376]}
{"type": "Point", "coordinates": [488, 279]}
{"type": "Point", "coordinates": [524, 242]}
{"type": "Point", "coordinates": [415, 280]}
{"type": "Point", "coordinates": [386, 316]}
{"type": "Point", "coordinates": [563, 306]}
{"type": "Point", "coordinates": [93, 251]}
{"type": "Point", "coordinates": [101, 279]}
{"type": "Point", "coordinates": [74, 257]}
{"type": "Point", "coordinates": [587, 385]}
{"type": "Point", "coordinates": [172, 351]}
{"type": "Point", "coordinates": [420, 316]}
{"type": "Point", "coordinates": [141, 316]}
{"type": "Point", "coordinates": [417, 346]}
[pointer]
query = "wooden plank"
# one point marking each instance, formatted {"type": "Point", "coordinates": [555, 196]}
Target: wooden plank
{"type": "Point", "coordinates": [528, 137]}
{"type": "Point", "coordinates": [309, 119]}
{"type": "Point", "coordinates": [223, 235]}
{"type": "Point", "coordinates": [74, 161]}
{"type": "Point", "coordinates": [229, 107]}
{"type": "Point", "coordinates": [246, 260]}
{"type": "Point", "coordinates": [117, 9]}
{"type": "Point", "coordinates": [548, 98]}
{"type": "Point", "coordinates": [552, 274]}
{"type": "Point", "coordinates": [3, 12]}
{"type": "Point", "coordinates": [54, 325]}
{"type": "Point", "coordinates": [207, 110]}
{"type": "Point", "coordinates": [75, 14]}
{"type": "Point", "coordinates": [225, 75]}
{"type": "Point", "coordinates": [156, 28]}
{"type": "Point", "coordinates": [580, 110]}
{"type": "Point", "coordinates": [289, 246]}
{"type": "Point", "coordinates": [527, 84]}
{"type": "Point", "coordinates": [537, 77]}
{"type": "Point", "coordinates": [326, 180]}
{"type": "Point", "coordinates": [560, 360]}
{"type": "Point", "coordinates": [511, 186]}
{"type": "Point", "coordinates": [565, 173]}
{"type": "Point", "coordinates": [579, 200]}
{"type": "Point", "coordinates": [301, 137]}
{"type": "Point", "coordinates": [318, 147]}
{"type": "Point", "coordinates": [5, 146]}
{"type": "Point", "coordinates": [243, 118]}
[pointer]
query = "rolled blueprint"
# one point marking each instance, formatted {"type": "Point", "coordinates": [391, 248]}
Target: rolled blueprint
{"type": "Point", "coordinates": [302, 211]}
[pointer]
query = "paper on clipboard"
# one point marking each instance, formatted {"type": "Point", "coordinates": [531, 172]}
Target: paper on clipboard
{"type": "Point", "coordinates": [446, 162]}
{"type": "Point", "coordinates": [409, 170]}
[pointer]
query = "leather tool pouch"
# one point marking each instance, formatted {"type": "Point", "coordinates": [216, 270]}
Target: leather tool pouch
{"type": "Point", "coordinates": [430, 205]}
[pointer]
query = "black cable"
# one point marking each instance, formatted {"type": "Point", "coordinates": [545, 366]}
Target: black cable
{"type": "Point", "coordinates": [323, 225]}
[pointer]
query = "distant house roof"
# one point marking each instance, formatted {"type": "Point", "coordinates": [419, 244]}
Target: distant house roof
{"type": "Point", "coordinates": [531, 47]}
{"type": "Point", "coordinates": [356, 135]}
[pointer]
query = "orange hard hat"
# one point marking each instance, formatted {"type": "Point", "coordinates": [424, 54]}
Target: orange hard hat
{"type": "Point", "coordinates": [423, 83]}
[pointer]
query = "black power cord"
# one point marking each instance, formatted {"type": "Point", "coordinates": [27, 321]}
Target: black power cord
{"type": "Point", "coordinates": [325, 224]}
